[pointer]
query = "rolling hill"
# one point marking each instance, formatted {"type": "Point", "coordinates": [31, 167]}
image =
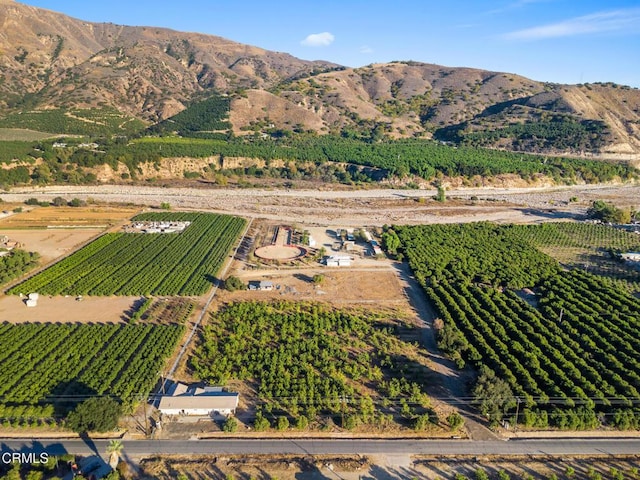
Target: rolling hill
{"type": "Point", "coordinates": [55, 63]}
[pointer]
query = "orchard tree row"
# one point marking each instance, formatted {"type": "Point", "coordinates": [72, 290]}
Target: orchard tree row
{"type": "Point", "coordinates": [308, 361]}
{"type": "Point", "coordinates": [16, 263]}
{"type": "Point", "coordinates": [568, 354]}
{"type": "Point", "coordinates": [142, 264]}
{"type": "Point", "coordinates": [390, 158]}
{"type": "Point", "coordinates": [49, 368]}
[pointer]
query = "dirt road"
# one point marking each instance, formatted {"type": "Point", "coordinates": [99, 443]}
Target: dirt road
{"type": "Point", "coordinates": [452, 383]}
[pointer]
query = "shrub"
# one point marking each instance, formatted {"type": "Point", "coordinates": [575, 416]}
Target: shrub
{"type": "Point", "coordinates": [455, 421]}
{"type": "Point", "coordinates": [302, 423]}
{"type": "Point", "coordinates": [260, 424]}
{"type": "Point", "coordinates": [230, 425]}
{"type": "Point", "coordinates": [233, 283]}
{"type": "Point", "coordinates": [283, 423]}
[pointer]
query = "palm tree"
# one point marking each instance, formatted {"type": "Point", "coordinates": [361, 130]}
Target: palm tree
{"type": "Point", "coordinates": [114, 449]}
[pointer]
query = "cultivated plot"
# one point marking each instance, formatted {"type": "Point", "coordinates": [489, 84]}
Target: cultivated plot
{"type": "Point", "coordinates": [566, 357]}
{"type": "Point", "coordinates": [49, 366]}
{"type": "Point", "coordinates": [144, 263]}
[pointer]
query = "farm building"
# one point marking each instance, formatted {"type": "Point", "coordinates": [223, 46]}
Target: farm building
{"type": "Point", "coordinates": [631, 256]}
{"type": "Point", "coordinates": [312, 242]}
{"type": "Point", "coordinates": [376, 247]}
{"type": "Point", "coordinates": [32, 300]}
{"type": "Point", "coordinates": [157, 227]}
{"type": "Point", "coordinates": [190, 401]}
{"type": "Point", "coordinates": [338, 261]}
{"type": "Point", "coordinates": [264, 285]}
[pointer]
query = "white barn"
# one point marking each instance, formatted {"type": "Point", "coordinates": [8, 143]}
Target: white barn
{"type": "Point", "coordinates": [185, 400]}
{"type": "Point", "coordinates": [208, 404]}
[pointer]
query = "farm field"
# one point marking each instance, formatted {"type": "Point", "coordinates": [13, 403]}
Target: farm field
{"type": "Point", "coordinates": [308, 364]}
{"type": "Point", "coordinates": [105, 121]}
{"type": "Point", "coordinates": [51, 244]}
{"type": "Point", "coordinates": [567, 353]}
{"type": "Point", "coordinates": [143, 264]}
{"type": "Point", "coordinates": [22, 135]}
{"type": "Point", "coordinates": [48, 217]}
{"type": "Point", "coordinates": [45, 363]}
{"type": "Point", "coordinates": [67, 309]}
{"type": "Point", "coordinates": [587, 246]}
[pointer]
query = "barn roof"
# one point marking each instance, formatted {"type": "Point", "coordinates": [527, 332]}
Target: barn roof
{"type": "Point", "coordinates": [209, 401]}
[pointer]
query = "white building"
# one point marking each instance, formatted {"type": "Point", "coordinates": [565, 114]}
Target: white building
{"type": "Point", "coordinates": [203, 402]}
{"type": "Point", "coordinates": [338, 261]}
{"type": "Point", "coordinates": [205, 405]}
{"type": "Point", "coordinates": [631, 256]}
{"type": "Point", "coordinates": [263, 285]}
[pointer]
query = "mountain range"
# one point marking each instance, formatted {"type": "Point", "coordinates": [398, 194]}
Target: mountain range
{"type": "Point", "coordinates": [52, 61]}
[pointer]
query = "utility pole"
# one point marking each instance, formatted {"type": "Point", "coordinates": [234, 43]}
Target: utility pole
{"type": "Point", "coordinates": [515, 426]}
{"type": "Point", "coordinates": [146, 417]}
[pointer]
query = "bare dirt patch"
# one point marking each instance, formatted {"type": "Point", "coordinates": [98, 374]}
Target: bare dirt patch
{"type": "Point", "coordinates": [51, 243]}
{"type": "Point", "coordinates": [66, 309]}
{"type": "Point", "coordinates": [280, 252]}
{"type": "Point", "coordinates": [351, 285]}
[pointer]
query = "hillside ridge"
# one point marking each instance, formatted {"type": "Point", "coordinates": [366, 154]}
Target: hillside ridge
{"type": "Point", "coordinates": [50, 61]}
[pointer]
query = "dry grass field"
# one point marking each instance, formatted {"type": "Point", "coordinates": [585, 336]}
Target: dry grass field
{"type": "Point", "coordinates": [51, 243]}
{"type": "Point", "coordinates": [23, 135]}
{"type": "Point", "coordinates": [66, 309]}
{"type": "Point", "coordinates": [376, 286]}
{"type": "Point", "coordinates": [380, 467]}
{"type": "Point", "coordinates": [60, 217]}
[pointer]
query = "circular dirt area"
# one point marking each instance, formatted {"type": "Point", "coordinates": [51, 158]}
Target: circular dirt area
{"type": "Point", "coordinates": [284, 252]}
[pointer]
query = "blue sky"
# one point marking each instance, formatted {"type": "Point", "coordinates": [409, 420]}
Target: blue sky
{"type": "Point", "coordinates": [564, 41]}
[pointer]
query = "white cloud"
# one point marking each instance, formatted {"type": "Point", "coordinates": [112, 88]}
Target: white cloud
{"type": "Point", "coordinates": [366, 49]}
{"type": "Point", "coordinates": [323, 39]}
{"type": "Point", "coordinates": [624, 20]}
{"type": "Point", "coordinates": [517, 4]}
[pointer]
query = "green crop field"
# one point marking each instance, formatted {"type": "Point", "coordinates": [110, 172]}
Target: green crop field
{"type": "Point", "coordinates": [95, 121]}
{"type": "Point", "coordinates": [48, 367]}
{"type": "Point", "coordinates": [588, 246]}
{"type": "Point", "coordinates": [22, 135]}
{"type": "Point", "coordinates": [143, 264]}
{"type": "Point", "coordinates": [567, 353]}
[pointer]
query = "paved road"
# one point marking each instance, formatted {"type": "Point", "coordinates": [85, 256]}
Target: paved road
{"type": "Point", "coordinates": [559, 447]}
